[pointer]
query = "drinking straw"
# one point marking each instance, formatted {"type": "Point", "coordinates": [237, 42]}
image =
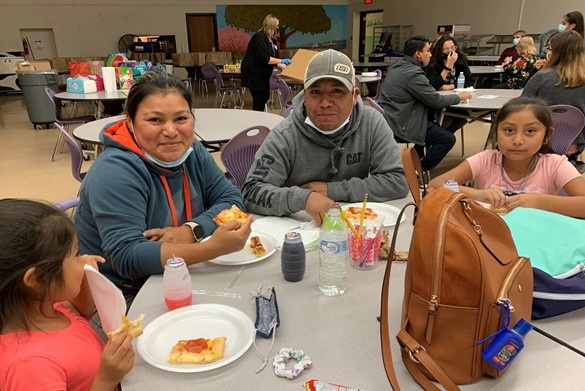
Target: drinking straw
{"type": "Point", "coordinates": [362, 214]}
{"type": "Point", "coordinates": [347, 222]}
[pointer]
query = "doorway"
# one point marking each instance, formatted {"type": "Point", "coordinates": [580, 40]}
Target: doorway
{"type": "Point", "coordinates": [369, 20]}
{"type": "Point", "coordinates": [38, 44]}
{"type": "Point", "coordinates": [202, 32]}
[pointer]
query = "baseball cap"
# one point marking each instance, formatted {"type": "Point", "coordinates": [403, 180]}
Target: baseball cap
{"type": "Point", "coordinates": [330, 64]}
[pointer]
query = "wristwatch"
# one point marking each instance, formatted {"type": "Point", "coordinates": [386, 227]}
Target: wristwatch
{"type": "Point", "coordinates": [197, 230]}
{"type": "Point", "coordinates": [445, 67]}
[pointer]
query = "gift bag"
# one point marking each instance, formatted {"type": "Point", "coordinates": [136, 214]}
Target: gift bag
{"type": "Point", "coordinates": [78, 69]}
{"type": "Point", "coordinates": [124, 78]}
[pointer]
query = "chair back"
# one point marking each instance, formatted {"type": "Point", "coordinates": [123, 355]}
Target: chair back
{"type": "Point", "coordinates": [284, 92]}
{"type": "Point", "coordinates": [287, 111]}
{"type": "Point", "coordinates": [56, 106]}
{"type": "Point", "coordinates": [375, 105]}
{"type": "Point", "coordinates": [67, 203]}
{"type": "Point", "coordinates": [76, 153]}
{"type": "Point", "coordinates": [237, 155]}
{"type": "Point", "coordinates": [209, 70]}
{"type": "Point", "coordinates": [374, 86]}
{"type": "Point", "coordinates": [568, 122]}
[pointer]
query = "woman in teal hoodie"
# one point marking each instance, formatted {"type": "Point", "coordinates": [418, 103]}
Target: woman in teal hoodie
{"type": "Point", "coordinates": [154, 190]}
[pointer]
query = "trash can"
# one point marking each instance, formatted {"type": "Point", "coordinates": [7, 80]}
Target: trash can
{"type": "Point", "coordinates": [41, 111]}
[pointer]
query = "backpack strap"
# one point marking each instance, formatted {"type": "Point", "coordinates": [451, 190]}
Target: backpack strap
{"type": "Point", "coordinates": [412, 351]}
{"type": "Point", "coordinates": [414, 173]}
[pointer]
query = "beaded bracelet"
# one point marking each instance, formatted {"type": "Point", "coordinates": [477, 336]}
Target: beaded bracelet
{"type": "Point", "coordinates": [285, 354]}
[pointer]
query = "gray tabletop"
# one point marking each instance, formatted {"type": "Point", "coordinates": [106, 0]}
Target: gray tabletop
{"type": "Point", "coordinates": [485, 70]}
{"type": "Point", "coordinates": [486, 99]}
{"type": "Point", "coordinates": [210, 124]}
{"type": "Point", "coordinates": [93, 96]}
{"type": "Point", "coordinates": [340, 334]}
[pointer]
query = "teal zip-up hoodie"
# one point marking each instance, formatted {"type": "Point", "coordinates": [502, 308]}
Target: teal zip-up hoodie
{"type": "Point", "coordinates": [123, 195]}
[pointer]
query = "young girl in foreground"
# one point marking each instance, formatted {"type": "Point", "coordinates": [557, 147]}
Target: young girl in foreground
{"type": "Point", "coordinates": [46, 342]}
{"type": "Point", "coordinates": [521, 169]}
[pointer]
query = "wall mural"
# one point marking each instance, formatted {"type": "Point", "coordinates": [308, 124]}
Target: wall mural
{"type": "Point", "coordinates": [301, 26]}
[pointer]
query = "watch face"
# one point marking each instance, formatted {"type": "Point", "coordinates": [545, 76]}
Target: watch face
{"type": "Point", "coordinates": [198, 232]}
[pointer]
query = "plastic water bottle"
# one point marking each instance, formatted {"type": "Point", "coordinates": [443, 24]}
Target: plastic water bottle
{"type": "Point", "coordinates": [333, 254]}
{"type": "Point", "coordinates": [177, 284]}
{"type": "Point", "coordinates": [461, 80]}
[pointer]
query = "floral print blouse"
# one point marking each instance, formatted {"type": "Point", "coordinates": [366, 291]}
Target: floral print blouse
{"type": "Point", "coordinates": [518, 72]}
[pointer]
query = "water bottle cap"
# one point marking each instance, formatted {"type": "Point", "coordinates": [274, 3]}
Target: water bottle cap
{"type": "Point", "coordinates": [175, 262]}
{"type": "Point", "coordinates": [522, 327]}
{"type": "Point", "coordinates": [333, 212]}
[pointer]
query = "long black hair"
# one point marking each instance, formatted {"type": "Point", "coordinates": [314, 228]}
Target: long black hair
{"type": "Point", "coordinates": [437, 51]}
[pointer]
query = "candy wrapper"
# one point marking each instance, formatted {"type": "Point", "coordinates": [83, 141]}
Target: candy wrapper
{"type": "Point", "coordinates": [319, 385]}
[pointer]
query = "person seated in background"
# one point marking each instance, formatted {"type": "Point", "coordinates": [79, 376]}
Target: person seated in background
{"type": "Point", "coordinates": [406, 98]}
{"type": "Point", "coordinates": [153, 192]}
{"type": "Point", "coordinates": [572, 21]}
{"type": "Point", "coordinates": [447, 62]}
{"type": "Point", "coordinates": [520, 169]}
{"type": "Point", "coordinates": [518, 72]}
{"type": "Point", "coordinates": [512, 51]}
{"type": "Point", "coordinates": [562, 81]}
{"type": "Point", "coordinates": [331, 148]}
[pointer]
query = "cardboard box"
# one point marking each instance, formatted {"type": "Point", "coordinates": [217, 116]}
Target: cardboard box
{"type": "Point", "coordinates": [297, 69]}
{"type": "Point", "coordinates": [43, 65]}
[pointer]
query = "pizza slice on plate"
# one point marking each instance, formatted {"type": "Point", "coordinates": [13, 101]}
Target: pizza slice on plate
{"type": "Point", "coordinates": [234, 213]}
{"type": "Point", "coordinates": [197, 351]}
{"type": "Point", "coordinates": [132, 327]}
{"type": "Point", "coordinates": [256, 246]}
{"type": "Point", "coordinates": [354, 213]}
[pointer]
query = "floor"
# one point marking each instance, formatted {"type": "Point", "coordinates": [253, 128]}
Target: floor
{"type": "Point", "coordinates": [26, 170]}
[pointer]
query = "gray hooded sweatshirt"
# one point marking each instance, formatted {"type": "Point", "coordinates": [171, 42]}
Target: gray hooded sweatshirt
{"type": "Point", "coordinates": [363, 159]}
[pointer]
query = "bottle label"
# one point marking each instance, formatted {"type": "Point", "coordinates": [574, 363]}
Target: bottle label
{"type": "Point", "coordinates": [328, 247]}
{"type": "Point", "coordinates": [506, 353]}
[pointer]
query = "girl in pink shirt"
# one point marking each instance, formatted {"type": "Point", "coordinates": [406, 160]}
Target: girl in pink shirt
{"type": "Point", "coordinates": [46, 342]}
{"type": "Point", "coordinates": [521, 169]}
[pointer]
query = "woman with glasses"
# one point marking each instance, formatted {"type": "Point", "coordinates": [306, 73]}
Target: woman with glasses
{"type": "Point", "coordinates": [259, 61]}
{"type": "Point", "coordinates": [562, 81]}
{"type": "Point", "coordinates": [446, 63]}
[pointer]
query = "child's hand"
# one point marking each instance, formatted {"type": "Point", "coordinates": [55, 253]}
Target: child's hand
{"type": "Point", "coordinates": [494, 197]}
{"type": "Point", "coordinates": [117, 360]}
{"type": "Point", "coordinates": [92, 260]}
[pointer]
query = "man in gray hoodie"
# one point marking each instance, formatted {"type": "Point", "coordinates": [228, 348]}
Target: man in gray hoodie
{"type": "Point", "coordinates": [406, 96]}
{"type": "Point", "coordinates": [331, 148]}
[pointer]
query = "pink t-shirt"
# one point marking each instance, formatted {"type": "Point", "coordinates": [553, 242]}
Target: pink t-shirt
{"type": "Point", "coordinates": [551, 174]}
{"type": "Point", "coordinates": [67, 359]}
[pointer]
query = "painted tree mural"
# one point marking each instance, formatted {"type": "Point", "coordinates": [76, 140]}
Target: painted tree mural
{"type": "Point", "coordinates": [304, 19]}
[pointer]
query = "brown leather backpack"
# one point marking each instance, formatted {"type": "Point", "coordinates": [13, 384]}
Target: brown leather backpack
{"type": "Point", "coordinates": [462, 263]}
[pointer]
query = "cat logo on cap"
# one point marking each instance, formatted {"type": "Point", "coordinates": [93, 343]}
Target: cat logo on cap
{"type": "Point", "coordinates": [341, 68]}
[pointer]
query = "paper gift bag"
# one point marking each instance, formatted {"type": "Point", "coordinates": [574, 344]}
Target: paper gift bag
{"type": "Point", "coordinates": [124, 78]}
{"type": "Point", "coordinates": [78, 68]}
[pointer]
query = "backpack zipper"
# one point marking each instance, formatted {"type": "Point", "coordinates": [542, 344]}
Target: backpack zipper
{"type": "Point", "coordinates": [509, 280]}
{"type": "Point", "coordinates": [436, 267]}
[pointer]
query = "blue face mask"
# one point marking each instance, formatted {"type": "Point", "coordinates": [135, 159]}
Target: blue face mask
{"type": "Point", "coordinates": [562, 28]}
{"type": "Point", "coordinates": [515, 41]}
{"type": "Point", "coordinates": [173, 164]}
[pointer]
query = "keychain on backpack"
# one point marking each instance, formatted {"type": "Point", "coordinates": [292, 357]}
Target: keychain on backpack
{"type": "Point", "coordinates": [507, 342]}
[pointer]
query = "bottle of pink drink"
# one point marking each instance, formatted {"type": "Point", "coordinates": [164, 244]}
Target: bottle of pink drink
{"type": "Point", "coordinates": [177, 284]}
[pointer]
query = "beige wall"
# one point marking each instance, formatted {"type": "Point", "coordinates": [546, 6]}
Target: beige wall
{"type": "Point", "coordinates": [93, 27]}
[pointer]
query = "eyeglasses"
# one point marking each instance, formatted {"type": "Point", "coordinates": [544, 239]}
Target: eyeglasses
{"type": "Point", "coordinates": [452, 49]}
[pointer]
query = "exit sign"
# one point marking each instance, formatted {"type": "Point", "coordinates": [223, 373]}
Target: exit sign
{"type": "Point", "coordinates": [367, 1]}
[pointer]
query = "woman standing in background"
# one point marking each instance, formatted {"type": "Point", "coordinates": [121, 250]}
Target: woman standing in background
{"type": "Point", "coordinates": [259, 61]}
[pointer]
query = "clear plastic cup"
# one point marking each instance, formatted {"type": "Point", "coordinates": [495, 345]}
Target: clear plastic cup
{"type": "Point", "coordinates": [365, 250]}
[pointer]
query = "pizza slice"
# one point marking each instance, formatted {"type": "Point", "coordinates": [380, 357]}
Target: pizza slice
{"type": "Point", "coordinates": [354, 213]}
{"type": "Point", "coordinates": [233, 213]}
{"type": "Point", "coordinates": [132, 327]}
{"type": "Point", "coordinates": [197, 351]}
{"type": "Point", "coordinates": [256, 246]}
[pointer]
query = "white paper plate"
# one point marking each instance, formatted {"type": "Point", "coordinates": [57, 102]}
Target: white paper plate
{"type": "Point", "coordinates": [389, 212]}
{"type": "Point", "coordinates": [109, 300]}
{"type": "Point", "coordinates": [369, 74]}
{"type": "Point", "coordinates": [192, 322]}
{"type": "Point", "coordinates": [245, 255]}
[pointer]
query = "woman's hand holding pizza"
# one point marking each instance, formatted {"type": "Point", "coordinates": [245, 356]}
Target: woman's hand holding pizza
{"type": "Point", "coordinates": [231, 236]}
